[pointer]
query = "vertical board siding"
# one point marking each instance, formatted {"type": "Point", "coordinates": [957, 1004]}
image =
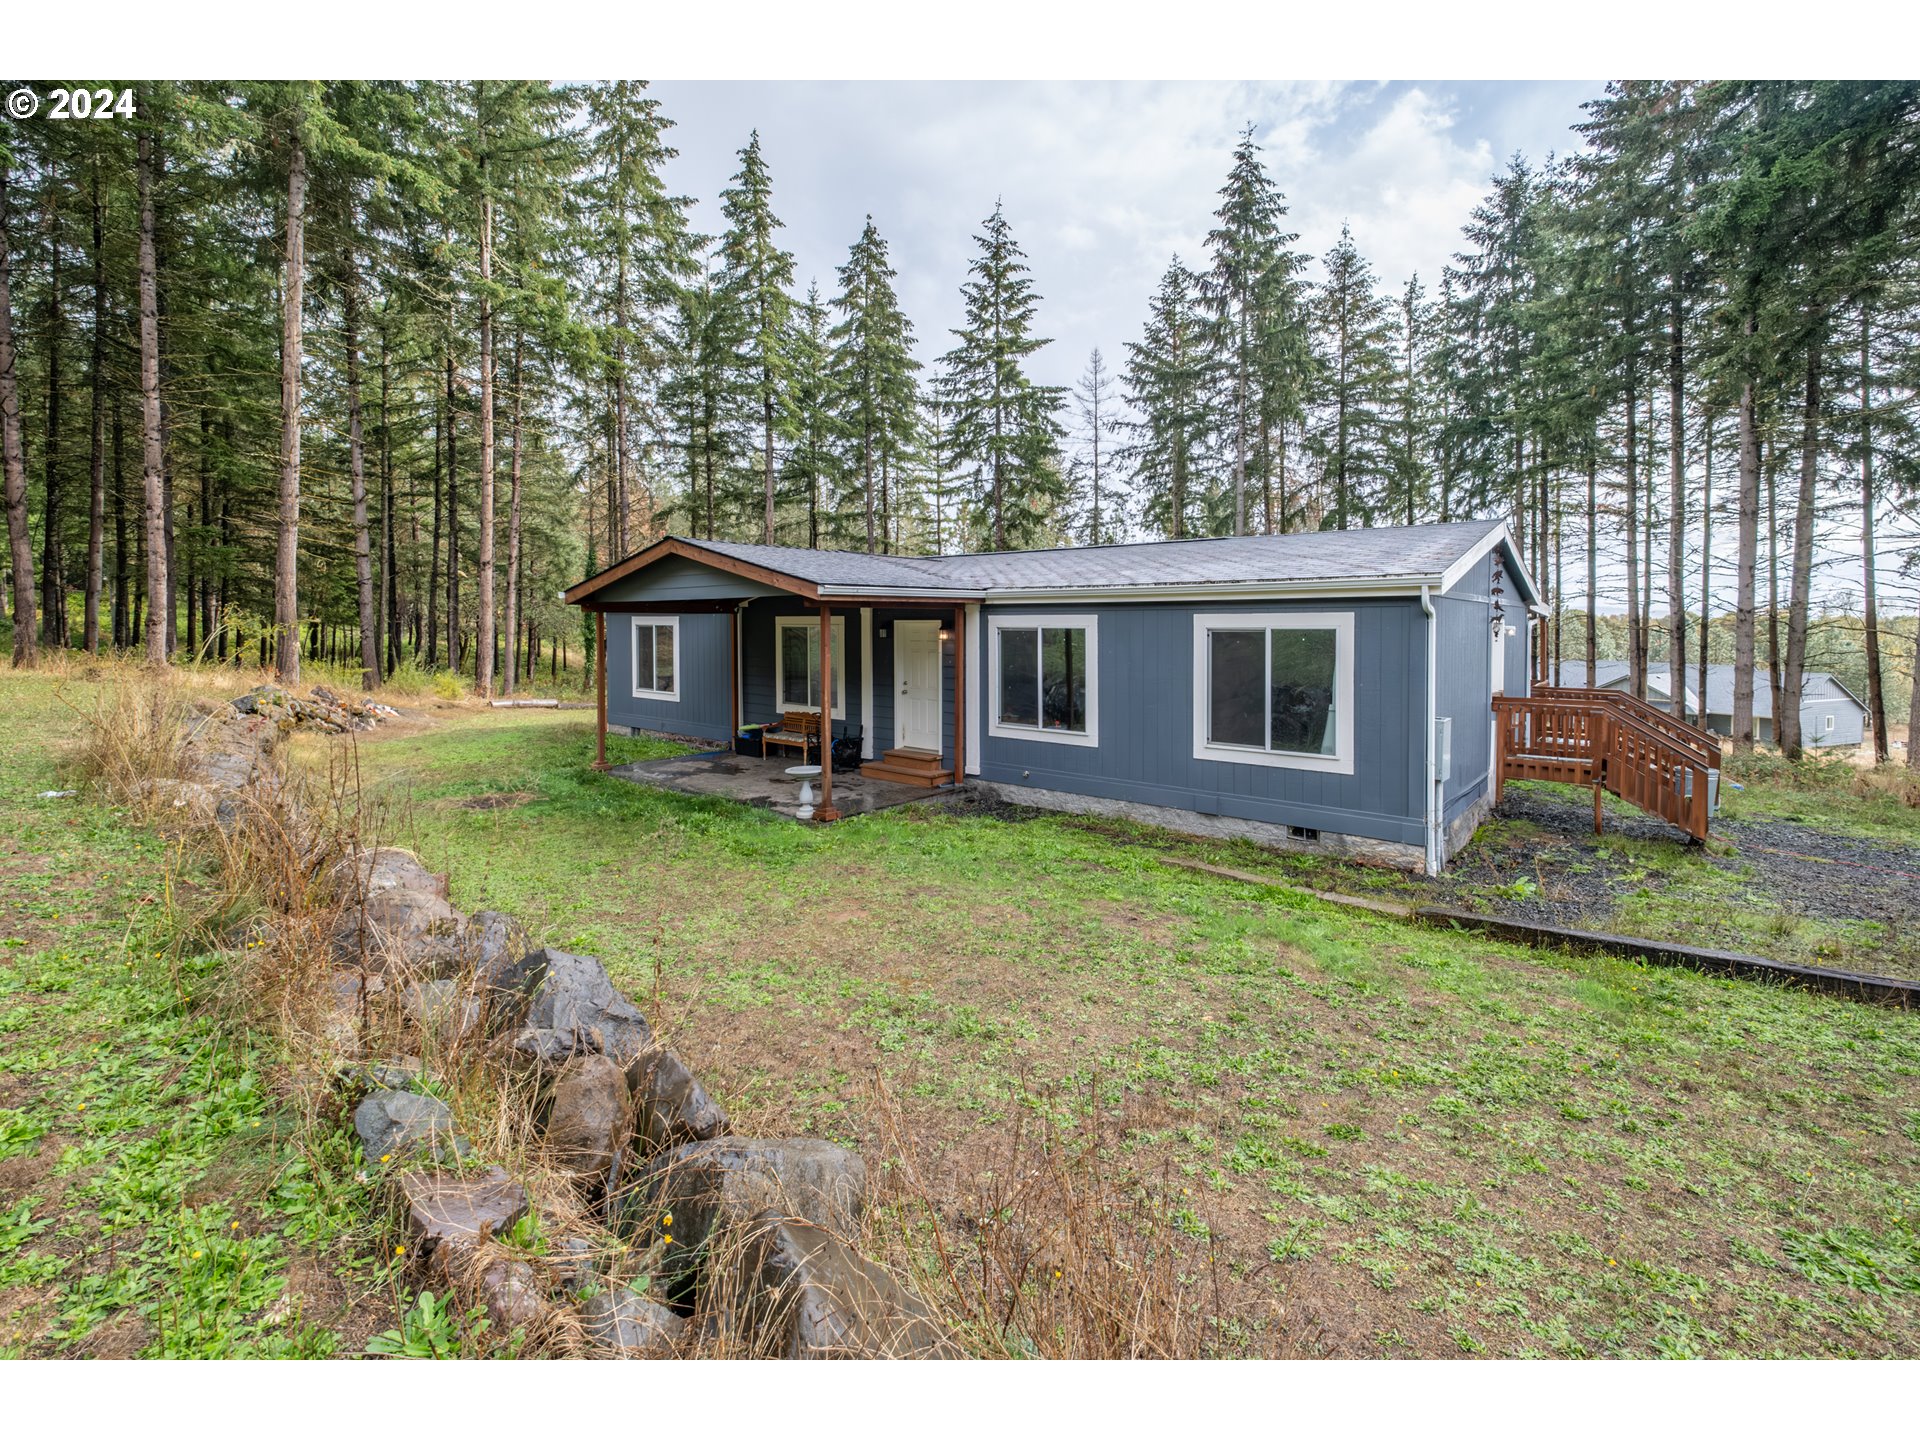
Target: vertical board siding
{"type": "Point", "coordinates": [759, 702]}
{"type": "Point", "coordinates": [704, 709]}
{"type": "Point", "coordinates": [1146, 755]}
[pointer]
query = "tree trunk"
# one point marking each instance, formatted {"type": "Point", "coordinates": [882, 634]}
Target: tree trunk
{"type": "Point", "coordinates": [1636, 656]}
{"type": "Point", "coordinates": [453, 513]}
{"type": "Point", "coordinates": [866, 482]}
{"type": "Point", "coordinates": [389, 566]}
{"type": "Point", "coordinates": [1593, 558]}
{"type": "Point", "coordinates": [153, 458]}
{"type": "Point", "coordinates": [1746, 554]}
{"type": "Point", "coordinates": [53, 585]}
{"type": "Point", "coordinates": [1787, 725]}
{"type": "Point", "coordinates": [1773, 579]}
{"type": "Point", "coordinates": [286, 597]}
{"type": "Point", "coordinates": [1676, 505]}
{"type": "Point", "coordinates": [484, 616]}
{"type": "Point", "coordinates": [512, 620]}
{"type": "Point", "coordinates": [12, 456]}
{"type": "Point", "coordinates": [1706, 568]}
{"type": "Point", "coordinates": [357, 474]}
{"type": "Point", "coordinates": [1869, 581]}
{"type": "Point", "coordinates": [122, 629]}
{"type": "Point", "coordinates": [1913, 707]}
{"type": "Point", "coordinates": [617, 510]}
{"type": "Point", "coordinates": [441, 421]}
{"type": "Point", "coordinates": [766, 404]}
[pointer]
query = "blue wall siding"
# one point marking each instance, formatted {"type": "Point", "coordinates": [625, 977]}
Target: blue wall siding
{"type": "Point", "coordinates": [759, 701]}
{"type": "Point", "coordinates": [884, 738]}
{"type": "Point", "coordinates": [1146, 756]}
{"type": "Point", "coordinates": [678, 578]}
{"type": "Point", "coordinates": [705, 707]}
{"type": "Point", "coordinates": [1464, 648]}
{"type": "Point", "coordinates": [1849, 721]}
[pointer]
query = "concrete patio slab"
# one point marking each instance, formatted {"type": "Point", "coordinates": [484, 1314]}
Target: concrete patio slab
{"type": "Point", "coordinates": [754, 781]}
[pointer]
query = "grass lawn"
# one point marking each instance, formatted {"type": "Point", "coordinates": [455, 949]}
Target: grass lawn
{"type": "Point", "coordinates": [157, 1197]}
{"type": "Point", "coordinates": [1371, 1139]}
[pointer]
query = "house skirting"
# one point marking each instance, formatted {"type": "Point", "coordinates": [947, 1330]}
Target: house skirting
{"type": "Point", "coordinates": [1465, 824]}
{"type": "Point", "coordinates": [1222, 827]}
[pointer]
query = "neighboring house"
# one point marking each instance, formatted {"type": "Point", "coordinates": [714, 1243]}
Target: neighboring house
{"type": "Point", "coordinates": [1328, 689]}
{"type": "Point", "coordinates": [1831, 715]}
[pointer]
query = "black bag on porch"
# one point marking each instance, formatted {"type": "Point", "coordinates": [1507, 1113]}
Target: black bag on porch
{"type": "Point", "coordinates": [846, 752]}
{"type": "Point", "coordinates": [747, 741]}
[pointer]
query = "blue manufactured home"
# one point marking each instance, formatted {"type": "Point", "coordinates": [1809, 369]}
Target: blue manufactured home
{"type": "Point", "coordinates": [1331, 690]}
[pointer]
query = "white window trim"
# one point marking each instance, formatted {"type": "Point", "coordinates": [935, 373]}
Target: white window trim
{"type": "Point", "coordinates": [663, 622]}
{"type": "Point", "coordinates": [1338, 621]}
{"type": "Point", "coordinates": [1001, 729]}
{"type": "Point", "coordinates": [1827, 729]}
{"type": "Point", "coordinates": [809, 622]}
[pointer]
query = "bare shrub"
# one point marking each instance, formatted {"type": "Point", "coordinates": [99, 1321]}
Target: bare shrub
{"type": "Point", "coordinates": [1059, 1251]}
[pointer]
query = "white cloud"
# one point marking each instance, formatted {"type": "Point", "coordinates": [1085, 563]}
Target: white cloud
{"type": "Point", "coordinates": [1103, 182]}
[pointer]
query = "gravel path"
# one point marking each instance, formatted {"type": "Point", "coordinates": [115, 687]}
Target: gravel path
{"type": "Point", "coordinates": [1806, 870]}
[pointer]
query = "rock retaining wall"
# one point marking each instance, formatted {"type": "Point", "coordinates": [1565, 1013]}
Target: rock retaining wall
{"type": "Point", "coordinates": [745, 1241]}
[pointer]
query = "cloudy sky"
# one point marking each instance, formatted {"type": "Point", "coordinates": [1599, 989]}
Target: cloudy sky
{"type": "Point", "coordinates": [1103, 183]}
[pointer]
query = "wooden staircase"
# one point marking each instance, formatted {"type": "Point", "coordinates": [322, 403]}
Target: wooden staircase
{"type": "Point", "coordinates": [1615, 743]}
{"type": "Point", "coordinates": [908, 767]}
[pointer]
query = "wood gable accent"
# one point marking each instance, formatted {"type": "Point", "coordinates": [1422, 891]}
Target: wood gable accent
{"type": "Point", "coordinates": [699, 554]}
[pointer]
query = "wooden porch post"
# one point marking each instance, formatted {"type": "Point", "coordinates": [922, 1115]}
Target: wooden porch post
{"type": "Point", "coordinates": [600, 680]}
{"type": "Point", "coordinates": [825, 812]}
{"type": "Point", "coordinates": [959, 694]}
{"type": "Point", "coordinates": [733, 673]}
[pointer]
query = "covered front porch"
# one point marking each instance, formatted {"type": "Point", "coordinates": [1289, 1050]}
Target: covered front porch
{"type": "Point", "coordinates": [695, 640]}
{"type": "Point", "coordinates": [766, 783]}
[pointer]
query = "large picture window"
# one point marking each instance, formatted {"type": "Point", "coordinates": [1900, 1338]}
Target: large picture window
{"type": "Point", "coordinates": [1275, 689]}
{"type": "Point", "coordinates": [1045, 674]}
{"type": "Point", "coordinates": [796, 663]}
{"type": "Point", "coordinates": [656, 657]}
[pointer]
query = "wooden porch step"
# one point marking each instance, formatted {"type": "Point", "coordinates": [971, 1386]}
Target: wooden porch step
{"type": "Point", "coordinates": [907, 767]}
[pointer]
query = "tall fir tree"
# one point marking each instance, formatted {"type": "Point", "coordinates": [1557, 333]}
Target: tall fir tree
{"type": "Point", "coordinates": [1172, 389]}
{"type": "Point", "coordinates": [872, 373]}
{"type": "Point", "coordinates": [756, 275]}
{"type": "Point", "coordinates": [1353, 327]}
{"type": "Point", "coordinates": [1246, 287]}
{"type": "Point", "coordinates": [1002, 425]}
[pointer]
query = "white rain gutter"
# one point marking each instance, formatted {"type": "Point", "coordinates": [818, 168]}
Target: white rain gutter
{"type": "Point", "coordinates": [1435, 808]}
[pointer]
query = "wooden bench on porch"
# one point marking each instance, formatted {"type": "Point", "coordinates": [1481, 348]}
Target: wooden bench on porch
{"type": "Point", "coordinates": [798, 730]}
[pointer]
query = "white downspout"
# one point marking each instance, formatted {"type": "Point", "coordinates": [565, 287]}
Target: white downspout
{"type": "Point", "coordinates": [1435, 809]}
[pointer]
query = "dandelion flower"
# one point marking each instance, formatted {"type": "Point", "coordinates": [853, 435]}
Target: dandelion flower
{"type": "Point", "coordinates": [198, 1253]}
{"type": "Point", "coordinates": [234, 1226]}
{"type": "Point", "coordinates": [667, 1219]}
{"type": "Point", "coordinates": [83, 1104]}
{"type": "Point", "coordinates": [399, 1249]}
{"type": "Point", "coordinates": [385, 1158]}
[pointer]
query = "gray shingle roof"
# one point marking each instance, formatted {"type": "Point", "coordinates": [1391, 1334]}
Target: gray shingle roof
{"type": "Point", "coordinates": [1817, 685]}
{"type": "Point", "coordinates": [1409, 553]}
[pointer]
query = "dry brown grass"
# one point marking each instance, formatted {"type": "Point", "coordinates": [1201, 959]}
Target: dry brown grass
{"type": "Point", "coordinates": [1057, 1249]}
{"type": "Point", "coordinates": [1060, 1250]}
{"type": "Point", "coordinates": [265, 888]}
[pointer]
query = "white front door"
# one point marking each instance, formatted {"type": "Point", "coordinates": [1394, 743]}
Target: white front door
{"type": "Point", "coordinates": [916, 677]}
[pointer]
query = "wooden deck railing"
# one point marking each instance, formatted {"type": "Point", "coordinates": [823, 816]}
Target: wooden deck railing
{"type": "Point", "coordinates": [1613, 742]}
{"type": "Point", "coordinates": [1703, 742]}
